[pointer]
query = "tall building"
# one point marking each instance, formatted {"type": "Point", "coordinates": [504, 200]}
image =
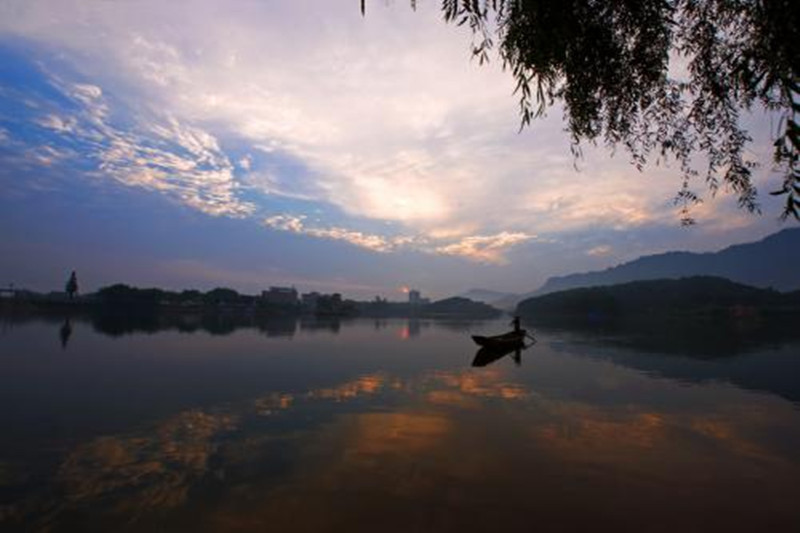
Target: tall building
{"type": "Point", "coordinates": [415, 298]}
{"type": "Point", "coordinates": [280, 295]}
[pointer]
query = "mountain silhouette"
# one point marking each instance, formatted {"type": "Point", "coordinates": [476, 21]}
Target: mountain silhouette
{"type": "Point", "coordinates": [769, 263]}
{"type": "Point", "coordinates": [486, 296]}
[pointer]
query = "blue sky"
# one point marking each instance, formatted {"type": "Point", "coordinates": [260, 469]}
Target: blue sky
{"type": "Point", "coordinates": [248, 144]}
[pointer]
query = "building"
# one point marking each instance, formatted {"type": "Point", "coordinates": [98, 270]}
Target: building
{"type": "Point", "coordinates": [8, 293]}
{"type": "Point", "coordinates": [415, 298]}
{"type": "Point", "coordinates": [280, 296]}
{"type": "Point", "coordinates": [309, 299]}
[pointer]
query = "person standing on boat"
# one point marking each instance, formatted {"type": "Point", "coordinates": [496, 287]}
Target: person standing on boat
{"type": "Point", "coordinates": [515, 323]}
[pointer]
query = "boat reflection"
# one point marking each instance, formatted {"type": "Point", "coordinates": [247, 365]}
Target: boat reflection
{"type": "Point", "coordinates": [486, 355]}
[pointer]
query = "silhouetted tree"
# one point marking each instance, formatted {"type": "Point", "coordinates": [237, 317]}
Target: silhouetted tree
{"type": "Point", "coordinates": [221, 295]}
{"type": "Point", "coordinates": [190, 295]}
{"type": "Point", "coordinates": [71, 287]}
{"type": "Point", "coordinates": [122, 295]}
{"type": "Point", "coordinates": [607, 62]}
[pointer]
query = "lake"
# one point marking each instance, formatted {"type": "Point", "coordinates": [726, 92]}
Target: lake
{"type": "Point", "coordinates": [385, 425]}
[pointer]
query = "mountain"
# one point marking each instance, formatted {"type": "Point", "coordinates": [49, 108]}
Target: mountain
{"type": "Point", "coordinates": [657, 299]}
{"type": "Point", "coordinates": [486, 296]}
{"type": "Point", "coordinates": [458, 306]}
{"type": "Point", "coordinates": [772, 262]}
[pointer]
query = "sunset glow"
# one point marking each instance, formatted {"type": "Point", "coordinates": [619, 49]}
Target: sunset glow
{"type": "Point", "coordinates": [361, 171]}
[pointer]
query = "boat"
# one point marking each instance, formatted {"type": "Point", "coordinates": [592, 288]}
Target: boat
{"type": "Point", "coordinates": [504, 341]}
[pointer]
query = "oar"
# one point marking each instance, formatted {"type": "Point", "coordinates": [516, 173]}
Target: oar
{"type": "Point", "coordinates": [530, 336]}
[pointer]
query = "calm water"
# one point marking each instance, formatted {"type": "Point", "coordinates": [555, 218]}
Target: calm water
{"type": "Point", "coordinates": [385, 426]}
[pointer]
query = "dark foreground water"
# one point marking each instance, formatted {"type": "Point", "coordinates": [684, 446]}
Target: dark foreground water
{"type": "Point", "coordinates": [385, 426]}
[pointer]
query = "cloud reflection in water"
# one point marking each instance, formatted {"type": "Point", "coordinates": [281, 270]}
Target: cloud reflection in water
{"type": "Point", "coordinates": [442, 450]}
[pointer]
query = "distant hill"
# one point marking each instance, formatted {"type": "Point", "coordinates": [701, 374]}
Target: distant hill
{"type": "Point", "coordinates": [772, 262]}
{"type": "Point", "coordinates": [638, 300]}
{"type": "Point", "coordinates": [486, 296]}
{"type": "Point", "coordinates": [458, 306]}
{"type": "Point", "coordinates": [510, 302]}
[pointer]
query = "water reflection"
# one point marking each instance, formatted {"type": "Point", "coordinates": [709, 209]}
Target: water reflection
{"type": "Point", "coordinates": [699, 338]}
{"type": "Point", "coordinates": [411, 330]}
{"type": "Point", "coordinates": [132, 474]}
{"type": "Point", "coordinates": [279, 327]}
{"type": "Point", "coordinates": [547, 455]}
{"type": "Point", "coordinates": [144, 471]}
{"type": "Point", "coordinates": [486, 356]}
{"type": "Point", "coordinates": [772, 366]}
{"type": "Point", "coordinates": [65, 333]}
{"type": "Point", "coordinates": [330, 324]}
{"type": "Point", "coordinates": [411, 438]}
{"type": "Point", "coordinates": [119, 323]}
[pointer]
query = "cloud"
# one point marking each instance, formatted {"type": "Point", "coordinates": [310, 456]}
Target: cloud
{"type": "Point", "coordinates": [86, 93]}
{"type": "Point", "coordinates": [377, 143]}
{"type": "Point", "coordinates": [155, 153]}
{"type": "Point", "coordinates": [295, 224]}
{"type": "Point", "coordinates": [57, 123]}
{"type": "Point", "coordinates": [181, 160]}
{"type": "Point", "coordinates": [286, 223]}
{"type": "Point", "coordinates": [480, 248]}
{"type": "Point", "coordinates": [47, 155]}
{"type": "Point", "coordinates": [599, 251]}
{"type": "Point", "coordinates": [370, 241]}
{"type": "Point", "coordinates": [270, 182]}
{"type": "Point", "coordinates": [306, 107]}
{"type": "Point", "coordinates": [485, 248]}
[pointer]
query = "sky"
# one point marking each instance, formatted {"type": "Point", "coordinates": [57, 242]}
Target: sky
{"type": "Point", "coordinates": [197, 144]}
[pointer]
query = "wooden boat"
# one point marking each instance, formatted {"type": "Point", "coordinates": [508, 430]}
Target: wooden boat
{"type": "Point", "coordinates": [504, 341]}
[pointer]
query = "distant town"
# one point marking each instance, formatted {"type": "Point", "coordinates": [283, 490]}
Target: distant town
{"type": "Point", "coordinates": [754, 282]}
{"type": "Point", "coordinates": [275, 300]}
